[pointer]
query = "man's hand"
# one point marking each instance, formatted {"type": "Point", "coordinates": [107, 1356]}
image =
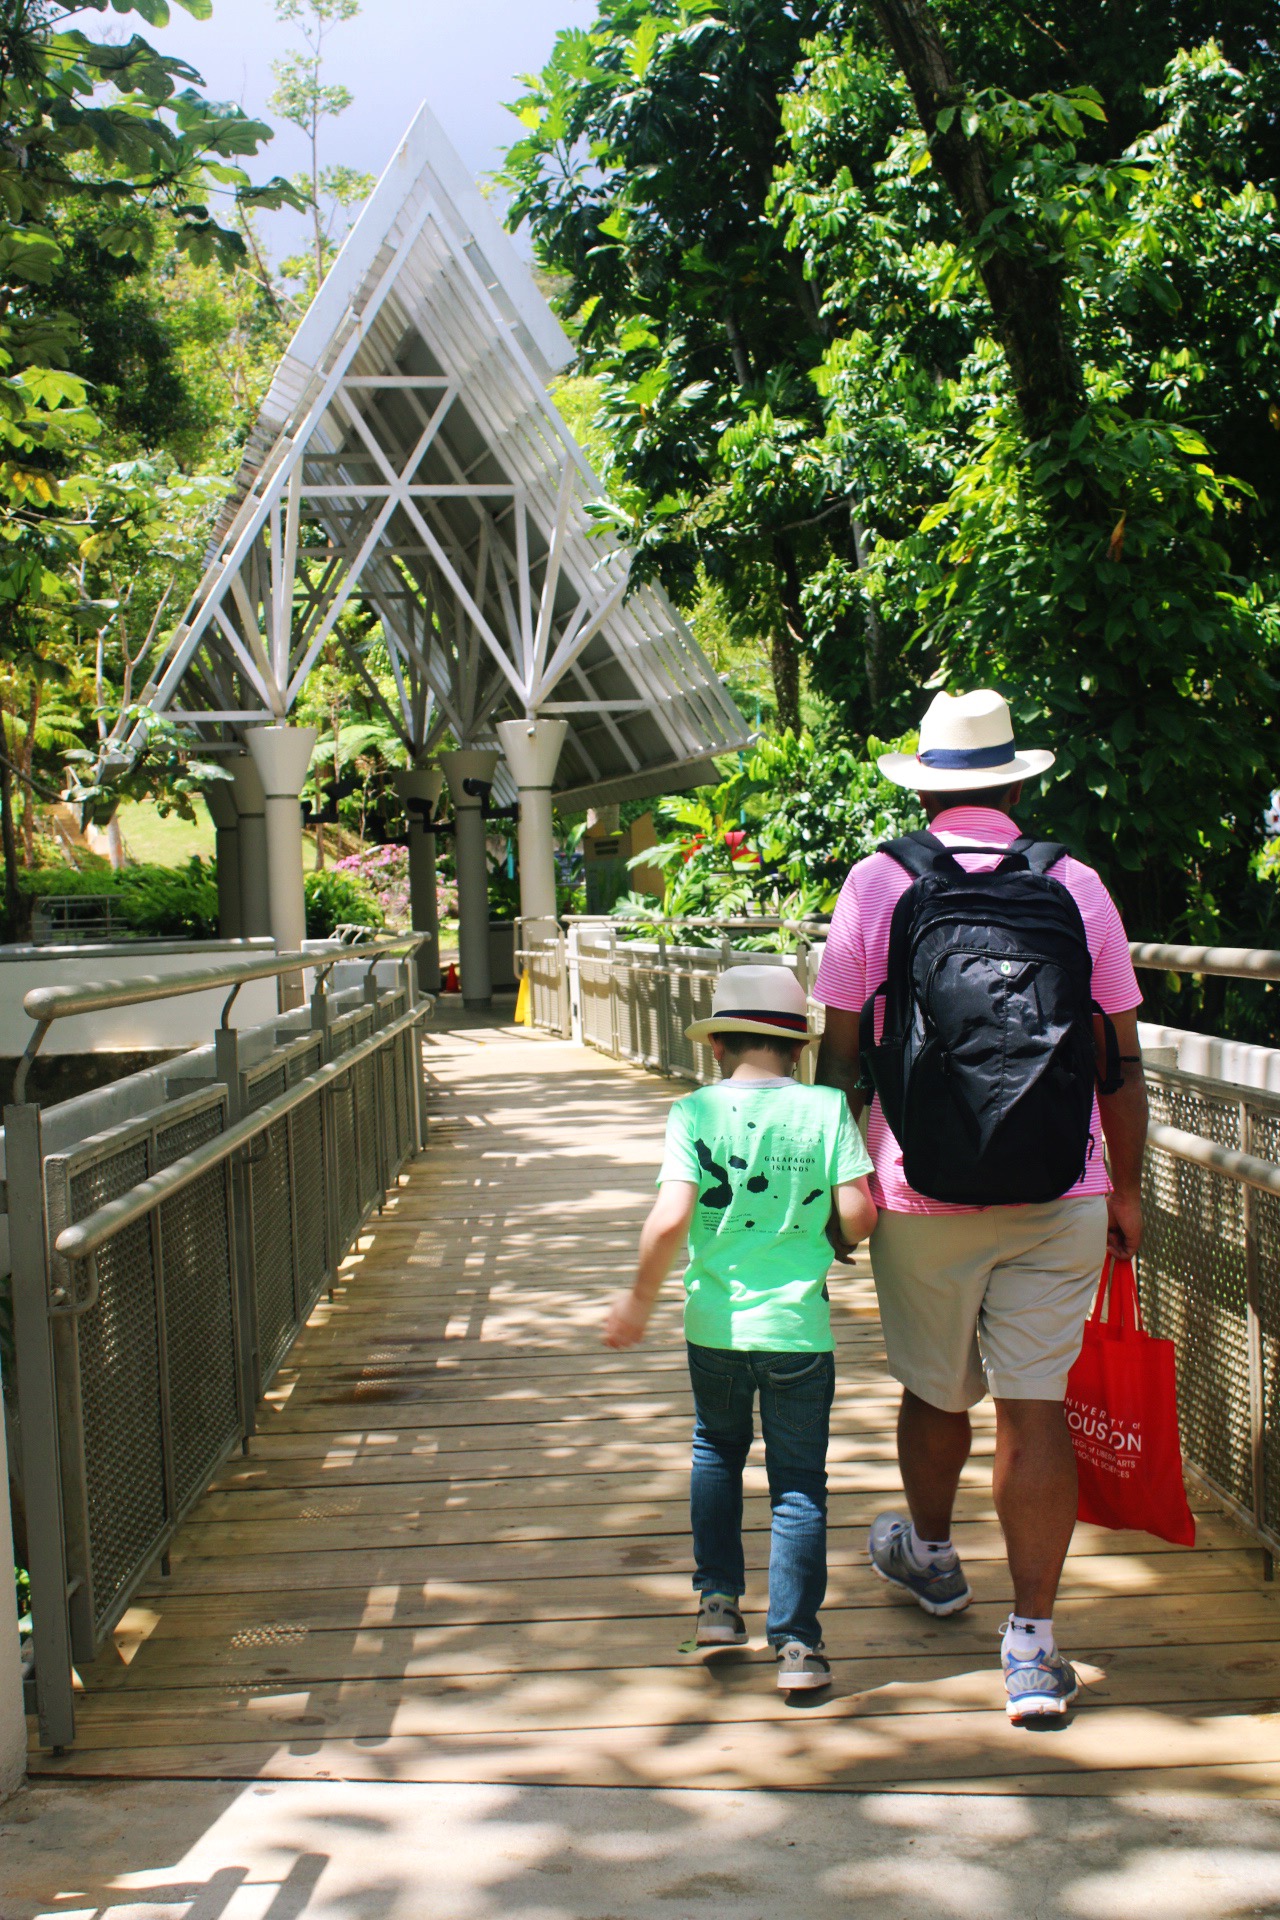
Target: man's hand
{"type": "Point", "coordinates": [1124, 1224]}
{"type": "Point", "coordinates": [628, 1318]}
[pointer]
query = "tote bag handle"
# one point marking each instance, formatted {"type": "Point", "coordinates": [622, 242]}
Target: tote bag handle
{"type": "Point", "coordinates": [1117, 1307]}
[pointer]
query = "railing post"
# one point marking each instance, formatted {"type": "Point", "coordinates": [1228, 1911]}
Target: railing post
{"type": "Point", "coordinates": [1253, 1334]}
{"type": "Point", "coordinates": [613, 992]}
{"type": "Point", "coordinates": [573, 970]}
{"type": "Point", "coordinates": [803, 976]}
{"type": "Point", "coordinates": [663, 978]}
{"type": "Point", "coordinates": [38, 1414]}
{"type": "Point", "coordinates": [227, 1068]}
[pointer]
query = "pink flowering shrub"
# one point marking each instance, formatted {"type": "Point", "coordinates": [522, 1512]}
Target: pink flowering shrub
{"type": "Point", "coordinates": [385, 872]}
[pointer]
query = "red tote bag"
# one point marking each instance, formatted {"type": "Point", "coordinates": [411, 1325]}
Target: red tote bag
{"type": "Point", "coordinates": [1122, 1411]}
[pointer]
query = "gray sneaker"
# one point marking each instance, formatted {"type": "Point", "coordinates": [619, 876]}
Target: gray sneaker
{"type": "Point", "coordinates": [938, 1589]}
{"type": "Point", "coordinates": [802, 1669]}
{"type": "Point", "coordinates": [720, 1623]}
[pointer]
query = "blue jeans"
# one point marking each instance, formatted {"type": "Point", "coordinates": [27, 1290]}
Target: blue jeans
{"type": "Point", "coordinates": [796, 1391]}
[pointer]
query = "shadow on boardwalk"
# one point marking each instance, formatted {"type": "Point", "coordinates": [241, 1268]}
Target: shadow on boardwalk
{"type": "Point", "coordinates": [458, 1551]}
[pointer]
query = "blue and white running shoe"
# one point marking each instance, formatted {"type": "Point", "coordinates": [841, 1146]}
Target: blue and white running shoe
{"type": "Point", "coordinates": [1040, 1688]}
{"type": "Point", "coordinates": [939, 1589]}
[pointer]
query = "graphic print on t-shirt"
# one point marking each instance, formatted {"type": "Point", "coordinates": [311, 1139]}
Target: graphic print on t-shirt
{"type": "Point", "coordinates": [764, 1161]}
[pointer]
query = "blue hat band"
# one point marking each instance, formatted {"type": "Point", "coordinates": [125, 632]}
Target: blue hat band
{"type": "Point", "coordinates": [962, 757]}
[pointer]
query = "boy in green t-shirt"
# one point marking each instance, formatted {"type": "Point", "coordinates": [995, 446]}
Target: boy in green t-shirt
{"type": "Point", "coordinates": [762, 1176]}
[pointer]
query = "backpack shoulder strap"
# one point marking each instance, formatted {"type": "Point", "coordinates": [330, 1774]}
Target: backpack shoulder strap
{"type": "Point", "coordinates": [1042, 856]}
{"type": "Point", "coordinates": [919, 853]}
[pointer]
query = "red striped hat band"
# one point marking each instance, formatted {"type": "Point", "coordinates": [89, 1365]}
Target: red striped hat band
{"type": "Point", "coordinates": [794, 1022]}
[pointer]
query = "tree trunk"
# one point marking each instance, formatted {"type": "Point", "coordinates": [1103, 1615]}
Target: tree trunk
{"type": "Point", "coordinates": [784, 664]}
{"type": "Point", "coordinates": [319, 844]}
{"type": "Point", "coordinates": [1024, 289]}
{"type": "Point", "coordinates": [789, 637]}
{"type": "Point", "coordinates": [115, 844]}
{"type": "Point", "coordinates": [875, 648]}
{"type": "Point", "coordinates": [8, 840]}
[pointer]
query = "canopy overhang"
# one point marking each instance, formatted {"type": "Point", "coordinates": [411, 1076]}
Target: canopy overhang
{"type": "Point", "coordinates": [409, 459]}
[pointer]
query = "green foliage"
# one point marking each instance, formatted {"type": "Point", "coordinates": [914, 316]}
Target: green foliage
{"type": "Point", "coordinates": [817, 412]}
{"type": "Point", "coordinates": [303, 97]}
{"type": "Point", "coordinates": [162, 903]}
{"type": "Point", "coordinates": [338, 899]}
{"type": "Point", "coordinates": [644, 175]}
{"type": "Point", "coordinates": [1115, 577]}
{"type": "Point", "coordinates": [778, 836]}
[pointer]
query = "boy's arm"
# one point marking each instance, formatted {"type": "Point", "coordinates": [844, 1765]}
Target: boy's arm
{"type": "Point", "coordinates": [661, 1238]}
{"type": "Point", "coordinates": [853, 1216]}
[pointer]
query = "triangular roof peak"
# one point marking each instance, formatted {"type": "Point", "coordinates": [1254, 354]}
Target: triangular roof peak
{"type": "Point", "coordinates": [409, 453]}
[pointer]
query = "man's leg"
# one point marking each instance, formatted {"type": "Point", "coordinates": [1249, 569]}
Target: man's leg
{"type": "Point", "coordinates": [933, 1446]}
{"type": "Point", "coordinates": [1031, 1327]}
{"type": "Point", "coordinates": [931, 1274]}
{"type": "Point", "coordinates": [1035, 1491]}
{"type": "Point", "coordinates": [723, 1396]}
{"type": "Point", "coordinates": [796, 1391]}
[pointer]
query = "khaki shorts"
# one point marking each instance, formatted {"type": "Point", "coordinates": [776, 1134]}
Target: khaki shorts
{"type": "Point", "coordinates": [993, 1301]}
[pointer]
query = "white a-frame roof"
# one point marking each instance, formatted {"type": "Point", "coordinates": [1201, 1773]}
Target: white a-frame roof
{"type": "Point", "coordinates": [408, 457]}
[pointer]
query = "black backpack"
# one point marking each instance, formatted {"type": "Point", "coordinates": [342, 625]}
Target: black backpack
{"type": "Point", "coordinates": [986, 1068]}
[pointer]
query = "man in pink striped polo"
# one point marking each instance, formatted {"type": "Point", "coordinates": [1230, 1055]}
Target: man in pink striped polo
{"type": "Point", "coordinates": [993, 1298]}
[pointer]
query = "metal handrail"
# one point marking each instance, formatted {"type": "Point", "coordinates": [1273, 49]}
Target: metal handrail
{"type": "Point", "coordinates": [767, 921]}
{"type": "Point", "coordinates": [83, 1239]}
{"type": "Point", "coordinates": [1235, 963]}
{"type": "Point", "coordinates": [1245, 1168]}
{"type": "Point", "coordinates": [46, 1004]}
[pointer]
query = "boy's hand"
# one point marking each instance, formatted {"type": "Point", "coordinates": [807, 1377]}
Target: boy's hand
{"type": "Point", "coordinates": [844, 1250]}
{"type": "Point", "coordinates": [628, 1318]}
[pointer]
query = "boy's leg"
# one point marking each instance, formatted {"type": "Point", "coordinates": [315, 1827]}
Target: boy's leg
{"type": "Point", "coordinates": [723, 1395]}
{"type": "Point", "coordinates": [796, 1391]}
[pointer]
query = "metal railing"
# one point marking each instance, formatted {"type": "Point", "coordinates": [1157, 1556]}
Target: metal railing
{"type": "Point", "coordinates": [161, 1267]}
{"type": "Point", "coordinates": [1210, 1264]}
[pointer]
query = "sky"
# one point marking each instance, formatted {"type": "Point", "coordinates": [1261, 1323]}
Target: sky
{"type": "Point", "coordinates": [460, 55]}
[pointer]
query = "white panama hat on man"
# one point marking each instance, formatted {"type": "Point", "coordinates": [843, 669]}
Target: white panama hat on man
{"type": "Point", "coordinates": [768, 1001]}
{"type": "Point", "coordinates": [966, 742]}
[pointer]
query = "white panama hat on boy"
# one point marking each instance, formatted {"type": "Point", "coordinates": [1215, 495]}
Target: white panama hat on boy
{"type": "Point", "coordinates": [768, 1001]}
{"type": "Point", "coordinates": [966, 742]}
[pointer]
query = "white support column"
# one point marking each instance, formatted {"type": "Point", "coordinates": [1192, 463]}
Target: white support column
{"type": "Point", "coordinates": [13, 1726]}
{"type": "Point", "coordinates": [419, 790]}
{"type": "Point", "coordinates": [251, 807]}
{"type": "Point", "coordinates": [282, 756]}
{"type": "Point", "coordinates": [470, 767]}
{"type": "Point", "coordinates": [221, 801]}
{"type": "Point", "coordinates": [532, 749]}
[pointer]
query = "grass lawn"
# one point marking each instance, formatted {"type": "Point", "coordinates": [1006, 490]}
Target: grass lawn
{"type": "Point", "coordinates": [170, 842]}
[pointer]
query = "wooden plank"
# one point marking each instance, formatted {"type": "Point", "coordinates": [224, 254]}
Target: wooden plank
{"type": "Point", "coordinates": [722, 1694]}
{"type": "Point", "coordinates": [798, 1752]}
{"type": "Point", "coordinates": [154, 1652]}
{"type": "Point", "coordinates": [590, 1535]}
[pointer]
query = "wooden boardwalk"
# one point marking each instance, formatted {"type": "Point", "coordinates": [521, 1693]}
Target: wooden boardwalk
{"type": "Point", "coordinates": [458, 1551]}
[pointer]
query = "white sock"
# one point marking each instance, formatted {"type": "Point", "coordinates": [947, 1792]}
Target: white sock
{"type": "Point", "coordinates": [1024, 1637]}
{"type": "Point", "coordinates": [925, 1553]}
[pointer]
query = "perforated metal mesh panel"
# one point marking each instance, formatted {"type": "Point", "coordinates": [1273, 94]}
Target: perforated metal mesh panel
{"type": "Point", "coordinates": [367, 1132]}
{"type": "Point", "coordinates": [595, 990]}
{"type": "Point", "coordinates": [544, 964]}
{"type": "Point", "coordinates": [309, 1200]}
{"type": "Point", "coordinates": [401, 1067]}
{"type": "Point", "coordinates": [346, 1173]}
{"type": "Point", "coordinates": [1194, 1286]}
{"type": "Point", "coordinates": [271, 1239]}
{"type": "Point", "coordinates": [305, 1060]}
{"type": "Point", "coordinates": [199, 1323]}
